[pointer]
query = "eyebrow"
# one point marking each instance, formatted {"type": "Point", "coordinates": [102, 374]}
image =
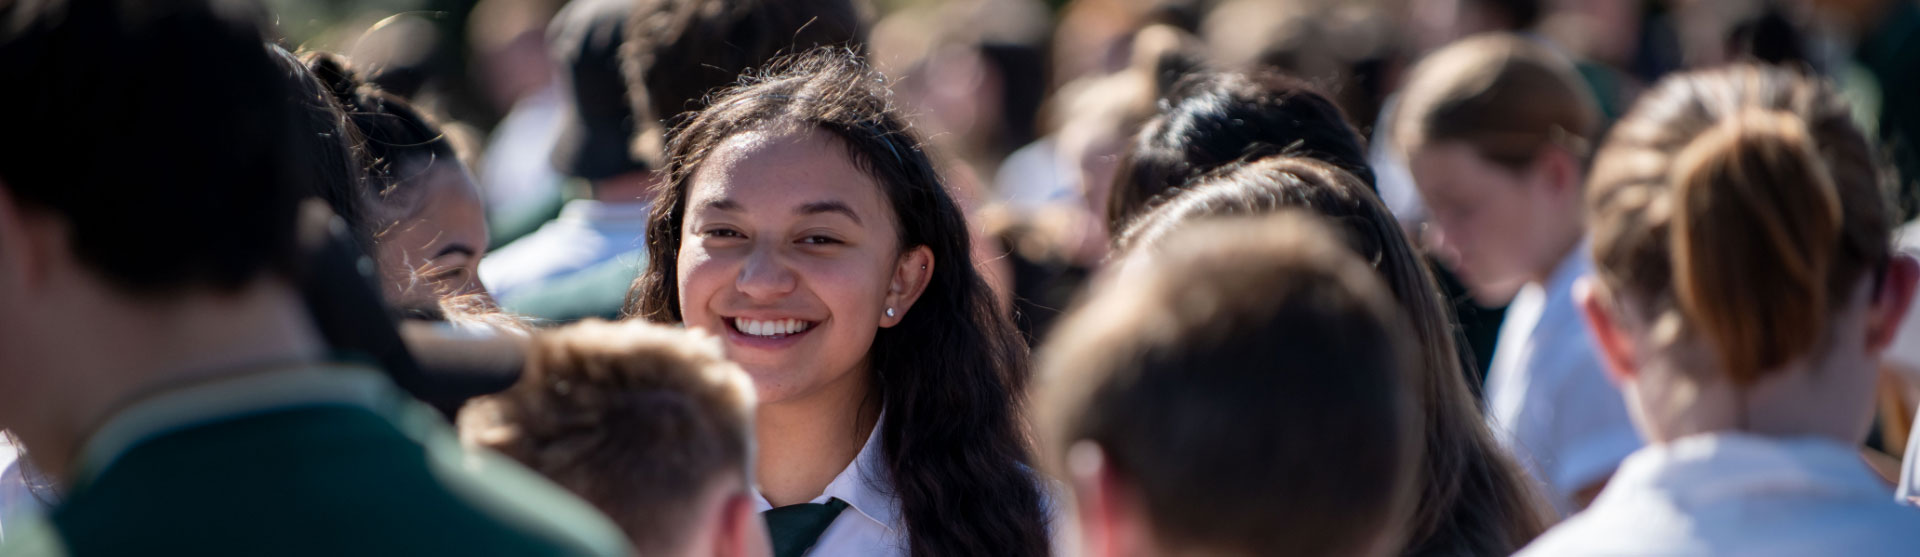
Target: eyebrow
{"type": "Point", "coordinates": [453, 249]}
{"type": "Point", "coordinates": [821, 207]}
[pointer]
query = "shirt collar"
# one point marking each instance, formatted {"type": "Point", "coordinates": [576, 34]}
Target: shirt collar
{"type": "Point", "coordinates": [865, 484]}
{"type": "Point", "coordinates": [595, 212]}
{"type": "Point", "coordinates": [308, 385]}
{"type": "Point", "coordinates": [1701, 469]}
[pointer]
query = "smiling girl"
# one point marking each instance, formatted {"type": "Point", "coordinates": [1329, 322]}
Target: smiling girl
{"type": "Point", "coordinates": [803, 225]}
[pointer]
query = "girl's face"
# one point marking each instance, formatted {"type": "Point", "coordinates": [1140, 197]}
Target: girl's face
{"type": "Point", "coordinates": [438, 234]}
{"type": "Point", "coordinates": [791, 255]}
{"type": "Point", "coordinates": [1497, 228]}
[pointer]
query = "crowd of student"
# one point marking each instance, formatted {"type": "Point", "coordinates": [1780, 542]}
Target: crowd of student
{"type": "Point", "coordinates": [835, 286]}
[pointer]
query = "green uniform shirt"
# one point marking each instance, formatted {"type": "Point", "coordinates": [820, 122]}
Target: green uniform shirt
{"type": "Point", "coordinates": [319, 460]}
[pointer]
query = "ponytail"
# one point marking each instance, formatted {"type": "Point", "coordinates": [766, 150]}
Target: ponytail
{"type": "Point", "coordinates": [1738, 207]}
{"type": "Point", "coordinates": [1756, 222]}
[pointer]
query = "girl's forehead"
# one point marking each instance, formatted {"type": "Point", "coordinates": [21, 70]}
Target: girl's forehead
{"type": "Point", "coordinates": [784, 168]}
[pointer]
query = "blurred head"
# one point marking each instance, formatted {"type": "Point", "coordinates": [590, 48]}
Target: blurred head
{"type": "Point", "coordinates": [669, 454]}
{"type": "Point", "coordinates": [1496, 129]}
{"type": "Point", "coordinates": [123, 188]}
{"type": "Point", "coordinates": [1217, 119]}
{"type": "Point", "coordinates": [421, 215]}
{"type": "Point", "coordinates": [1744, 279]}
{"type": "Point", "coordinates": [677, 52]}
{"type": "Point", "coordinates": [1492, 511]}
{"type": "Point", "coordinates": [802, 223]}
{"type": "Point", "coordinates": [1189, 399]}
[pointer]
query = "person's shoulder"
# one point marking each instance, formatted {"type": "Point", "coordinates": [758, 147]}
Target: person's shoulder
{"type": "Point", "coordinates": [512, 497]}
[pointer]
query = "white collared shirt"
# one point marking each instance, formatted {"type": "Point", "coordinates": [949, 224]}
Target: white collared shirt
{"type": "Point", "coordinates": [1548, 401]}
{"type": "Point", "coordinates": [1738, 494]}
{"type": "Point", "coordinates": [871, 524]}
{"type": "Point", "coordinates": [586, 234]}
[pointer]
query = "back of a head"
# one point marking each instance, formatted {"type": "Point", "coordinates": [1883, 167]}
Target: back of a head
{"type": "Point", "coordinates": [169, 179]}
{"type": "Point", "coordinates": [1249, 383]}
{"type": "Point", "coordinates": [641, 420]}
{"type": "Point", "coordinates": [1505, 95]}
{"type": "Point", "coordinates": [1217, 119]}
{"type": "Point", "coordinates": [1741, 206]}
{"type": "Point", "coordinates": [677, 52]}
{"type": "Point", "coordinates": [1494, 512]}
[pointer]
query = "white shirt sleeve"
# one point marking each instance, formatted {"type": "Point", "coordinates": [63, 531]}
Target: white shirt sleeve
{"type": "Point", "coordinates": [1591, 425]}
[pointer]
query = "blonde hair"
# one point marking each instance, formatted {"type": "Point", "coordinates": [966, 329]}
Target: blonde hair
{"type": "Point", "coordinates": [636, 418]}
{"type": "Point", "coordinates": [1503, 94]}
{"type": "Point", "coordinates": [1738, 206]}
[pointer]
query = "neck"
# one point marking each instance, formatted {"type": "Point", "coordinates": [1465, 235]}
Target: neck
{"type": "Point", "coordinates": [806, 441]}
{"type": "Point", "coordinates": [1557, 252]}
{"type": "Point", "coordinates": [1796, 401]}
{"type": "Point", "coordinates": [632, 187]}
{"type": "Point", "coordinates": [126, 350]}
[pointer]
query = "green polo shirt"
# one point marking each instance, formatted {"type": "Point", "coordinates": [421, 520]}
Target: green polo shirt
{"type": "Point", "coordinates": [318, 460]}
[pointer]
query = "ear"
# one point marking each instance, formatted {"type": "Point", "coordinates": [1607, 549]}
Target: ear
{"type": "Point", "coordinates": [1614, 342]}
{"type": "Point", "coordinates": [1559, 171]}
{"type": "Point", "coordinates": [911, 273]}
{"type": "Point", "coordinates": [1889, 308]}
{"type": "Point", "coordinates": [739, 531]}
{"type": "Point", "coordinates": [1113, 519]}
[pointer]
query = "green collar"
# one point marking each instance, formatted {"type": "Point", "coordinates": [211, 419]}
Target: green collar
{"type": "Point", "coordinates": [175, 410]}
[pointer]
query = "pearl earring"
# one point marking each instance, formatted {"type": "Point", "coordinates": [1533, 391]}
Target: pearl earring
{"type": "Point", "coordinates": [889, 312]}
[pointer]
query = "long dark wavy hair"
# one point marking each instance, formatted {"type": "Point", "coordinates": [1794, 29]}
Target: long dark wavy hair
{"type": "Point", "coordinates": [949, 374]}
{"type": "Point", "coordinates": [1474, 499]}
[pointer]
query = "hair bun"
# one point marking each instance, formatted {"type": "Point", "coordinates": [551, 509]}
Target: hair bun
{"type": "Point", "coordinates": [332, 71]}
{"type": "Point", "coordinates": [1756, 224]}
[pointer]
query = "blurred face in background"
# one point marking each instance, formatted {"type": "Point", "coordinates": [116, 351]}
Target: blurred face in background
{"type": "Point", "coordinates": [1494, 226]}
{"type": "Point", "coordinates": [439, 232]}
{"type": "Point", "coordinates": [790, 254]}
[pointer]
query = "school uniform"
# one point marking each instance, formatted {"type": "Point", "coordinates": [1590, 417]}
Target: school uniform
{"type": "Point", "coordinates": [856, 514]}
{"type": "Point", "coordinates": [868, 521]}
{"type": "Point", "coordinates": [1739, 494]}
{"type": "Point", "coordinates": [1548, 400]}
{"type": "Point", "coordinates": [310, 460]}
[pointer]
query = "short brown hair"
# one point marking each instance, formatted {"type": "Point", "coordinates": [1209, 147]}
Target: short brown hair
{"type": "Point", "coordinates": [1252, 382]}
{"type": "Point", "coordinates": [1740, 204]}
{"type": "Point", "coordinates": [638, 419]}
{"type": "Point", "coordinates": [1475, 500]}
{"type": "Point", "coordinates": [1505, 95]}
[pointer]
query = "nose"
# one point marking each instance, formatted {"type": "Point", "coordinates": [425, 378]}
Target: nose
{"type": "Point", "coordinates": [1434, 238]}
{"type": "Point", "coordinates": [764, 276]}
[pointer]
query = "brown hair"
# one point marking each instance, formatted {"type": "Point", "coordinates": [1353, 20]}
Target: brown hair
{"type": "Point", "coordinates": [1505, 95]}
{"type": "Point", "coordinates": [676, 52]}
{"type": "Point", "coordinates": [1741, 205]}
{"type": "Point", "coordinates": [639, 419]}
{"type": "Point", "coordinates": [1251, 384]}
{"type": "Point", "coordinates": [950, 373]}
{"type": "Point", "coordinates": [1474, 498]}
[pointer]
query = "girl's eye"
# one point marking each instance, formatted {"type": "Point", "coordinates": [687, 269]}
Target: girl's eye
{"type": "Point", "coordinates": [722, 233]}
{"type": "Point", "coordinates": [819, 241]}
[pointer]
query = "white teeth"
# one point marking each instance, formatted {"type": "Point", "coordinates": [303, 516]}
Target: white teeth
{"type": "Point", "coordinates": [770, 328]}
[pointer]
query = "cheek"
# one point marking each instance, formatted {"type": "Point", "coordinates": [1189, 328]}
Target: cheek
{"type": "Point", "coordinates": [699, 276]}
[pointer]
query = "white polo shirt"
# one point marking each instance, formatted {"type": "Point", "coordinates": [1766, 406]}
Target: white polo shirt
{"type": "Point", "coordinates": [1739, 494]}
{"type": "Point", "coordinates": [1548, 400]}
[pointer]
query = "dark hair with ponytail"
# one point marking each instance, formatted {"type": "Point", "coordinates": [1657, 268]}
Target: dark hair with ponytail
{"type": "Point", "coordinates": [399, 142]}
{"type": "Point", "coordinates": [1746, 203]}
{"type": "Point", "coordinates": [949, 375]}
